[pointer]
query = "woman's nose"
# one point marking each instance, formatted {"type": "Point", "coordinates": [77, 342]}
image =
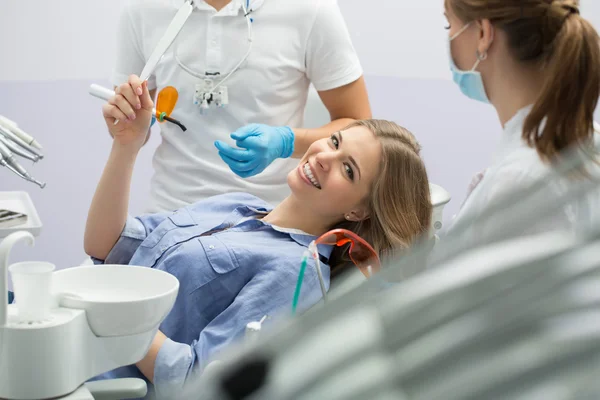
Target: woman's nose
{"type": "Point", "coordinates": [324, 159]}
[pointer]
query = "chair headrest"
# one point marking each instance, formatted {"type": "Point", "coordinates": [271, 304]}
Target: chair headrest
{"type": "Point", "coordinates": [439, 195]}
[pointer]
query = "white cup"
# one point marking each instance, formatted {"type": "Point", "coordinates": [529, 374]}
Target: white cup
{"type": "Point", "coordinates": [32, 282]}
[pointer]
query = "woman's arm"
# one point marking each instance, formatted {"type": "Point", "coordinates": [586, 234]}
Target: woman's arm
{"type": "Point", "coordinates": [108, 211]}
{"type": "Point", "coordinates": [132, 106]}
{"type": "Point", "coordinates": [146, 365]}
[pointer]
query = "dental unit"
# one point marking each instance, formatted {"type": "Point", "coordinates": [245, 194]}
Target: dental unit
{"type": "Point", "coordinates": [68, 326]}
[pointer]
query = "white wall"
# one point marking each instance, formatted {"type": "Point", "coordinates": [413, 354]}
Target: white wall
{"type": "Point", "coordinates": [407, 38]}
{"type": "Point", "coordinates": [53, 50]}
{"type": "Point", "coordinates": [73, 39]}
{"type": "Point", "coordinates": [57, 40]}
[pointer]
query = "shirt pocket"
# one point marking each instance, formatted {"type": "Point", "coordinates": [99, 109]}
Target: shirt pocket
{"type": "Point", "coordinates": [220, 257]}
{"type": "Point", "coordinates": [169, 231]}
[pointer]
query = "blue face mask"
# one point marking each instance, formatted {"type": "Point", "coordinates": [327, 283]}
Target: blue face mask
{"type": "Point", "coordinates": [469, 82]}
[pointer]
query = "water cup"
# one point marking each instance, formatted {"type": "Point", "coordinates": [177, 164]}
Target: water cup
{"type": "Point", "coordinates": [32, 281]}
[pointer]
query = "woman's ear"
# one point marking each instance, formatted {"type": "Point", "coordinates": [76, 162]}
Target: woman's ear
{"type": "Point", "coordinates": [486, 36]}
{"type": "Point", "coordinates": [358, 215]}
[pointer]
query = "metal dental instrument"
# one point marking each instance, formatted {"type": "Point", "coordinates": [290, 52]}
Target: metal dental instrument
{"type": "Point", "coordinates": [7, 159]}
{"type": "Point", "coordinates": [14, 128]}
{"type": "Point", "coordinates": [165, 42]}
{"type": "Point", "coordinates": [18, 150]}
{"type": "Point", "coordinates": [26, 177]}
{"type": "Point", "coordinates": [11, 136]}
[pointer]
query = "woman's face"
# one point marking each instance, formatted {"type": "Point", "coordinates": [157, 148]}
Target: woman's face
{"type": "Point", "coordinates": [465, 44]}
{"type": "Point", "coordinates": [335, 176]}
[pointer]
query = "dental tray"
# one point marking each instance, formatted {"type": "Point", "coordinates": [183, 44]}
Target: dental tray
{"type": "Point", "coordinates": [20, 202]}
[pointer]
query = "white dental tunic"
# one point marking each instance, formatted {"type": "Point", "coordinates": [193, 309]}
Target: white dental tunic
{"type": "Point", "coordinates": [295, 43]}
{"type": "Point", "coordinates": [516, 166]}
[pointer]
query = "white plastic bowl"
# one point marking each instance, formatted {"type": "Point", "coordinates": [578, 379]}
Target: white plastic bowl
{"type": "Point", "coordinates": [119, 300]}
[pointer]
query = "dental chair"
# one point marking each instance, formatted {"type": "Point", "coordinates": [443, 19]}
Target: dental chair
{"type": "Point", "coordinates": [513, 318]}
{"type": "Point", "coordinates": [439, 198]}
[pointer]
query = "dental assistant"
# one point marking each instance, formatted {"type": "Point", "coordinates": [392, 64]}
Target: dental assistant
{"type": "Point", "coordinates": [538, 63]}
{"type": "Point", "coordinates": [248, 144]}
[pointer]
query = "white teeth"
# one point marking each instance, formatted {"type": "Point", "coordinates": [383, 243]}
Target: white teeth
{"type": "Point", "coordinates": [310, 176]}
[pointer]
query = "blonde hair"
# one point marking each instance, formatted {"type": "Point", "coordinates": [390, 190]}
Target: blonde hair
{"type": "Point", "coordinates": [552, 34]}
{"type": "Point", "coordinates": [400, 203]}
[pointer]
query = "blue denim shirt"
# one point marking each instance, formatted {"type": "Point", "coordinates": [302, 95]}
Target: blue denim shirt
{"type": "Point", "coordinates": [232, 269]}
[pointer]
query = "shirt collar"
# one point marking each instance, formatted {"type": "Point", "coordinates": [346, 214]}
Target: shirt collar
{"type": "Point", "coordinates": [304, 239]}
{"type": "Point", "coordinates": [512, 136]}
{"type": "Point", "coordinates": [300, 237]}
{"type": "Point", "coordinates": [233, 8]}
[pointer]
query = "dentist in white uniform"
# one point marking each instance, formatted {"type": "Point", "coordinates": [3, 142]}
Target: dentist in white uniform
{"type": "Point", "coordinates": [538, 64]}
{"type": "Point", "coordinates": [248, 145]}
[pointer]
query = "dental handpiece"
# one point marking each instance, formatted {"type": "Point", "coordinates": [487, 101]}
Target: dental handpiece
{"type": "Point", "coordinates": [11, 136]}
{"type": "Point", "coordinates": [14, 128]}
{"type": "Point", "coordinates": [7, 160]}
{"type": "Point", "coordinates": [18, 150]}
{"type": "Point", "coordinates": [27, 178]}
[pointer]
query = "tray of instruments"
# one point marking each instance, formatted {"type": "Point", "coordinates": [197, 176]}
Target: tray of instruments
{"type": "Point", "coordinates": [17, 213]}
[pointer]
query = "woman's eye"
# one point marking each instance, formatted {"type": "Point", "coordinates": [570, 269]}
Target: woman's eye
{"type": "Point", "coordinates": [349, 171]}
{"type": "Point", "coordinates": [335, 142]}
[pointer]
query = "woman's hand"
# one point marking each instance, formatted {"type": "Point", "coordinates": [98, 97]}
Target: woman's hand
{"type": "Point", "coordinates": [132, 106]}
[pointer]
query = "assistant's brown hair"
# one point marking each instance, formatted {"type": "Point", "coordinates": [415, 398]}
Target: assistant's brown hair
{"type": "Point", "coordinates": [552, 34]}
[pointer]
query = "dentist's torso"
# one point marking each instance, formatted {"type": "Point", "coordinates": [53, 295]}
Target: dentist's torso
{"type": "Point", "coordinates": [270, 87]}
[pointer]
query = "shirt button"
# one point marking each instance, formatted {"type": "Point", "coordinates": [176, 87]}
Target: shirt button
{"type": "Point", "coordinates": [211, 247]}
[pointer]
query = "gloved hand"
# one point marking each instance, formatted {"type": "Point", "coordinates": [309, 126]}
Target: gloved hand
{"type": "Point", "coordinates": [259, 145]}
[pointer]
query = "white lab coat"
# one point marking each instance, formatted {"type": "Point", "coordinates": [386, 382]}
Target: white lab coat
{"type": "Point", "coordinates": [515, 166]}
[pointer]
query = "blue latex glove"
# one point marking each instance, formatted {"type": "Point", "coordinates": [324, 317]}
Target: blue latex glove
{"type": "Point", "coordinates": [258, 146]}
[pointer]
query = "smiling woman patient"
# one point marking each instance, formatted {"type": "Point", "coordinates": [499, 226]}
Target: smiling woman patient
{"type": "Point", "coordinates": [236, 257]}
